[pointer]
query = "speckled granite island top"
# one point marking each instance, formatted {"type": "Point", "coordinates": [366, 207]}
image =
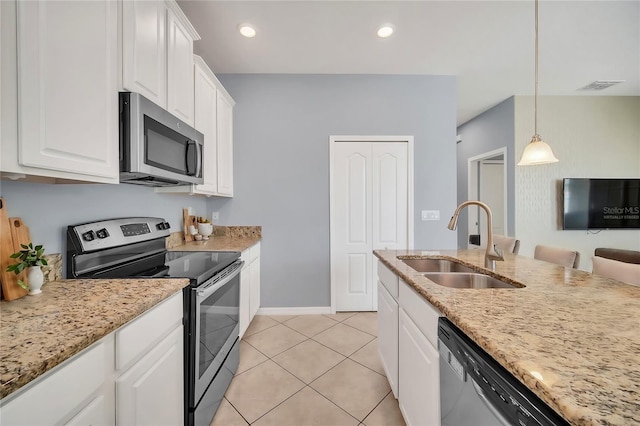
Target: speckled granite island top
{"type": "Point", "coordinates": [570, 336]}
{"type": "Point", "coordinates": [39, 332]}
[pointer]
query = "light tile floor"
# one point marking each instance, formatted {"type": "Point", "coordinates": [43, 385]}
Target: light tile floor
{"type": "Point", "coordinates": [319, 370]}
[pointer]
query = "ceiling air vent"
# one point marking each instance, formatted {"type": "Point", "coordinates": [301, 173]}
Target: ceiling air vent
{"type": "Point", "coordinates": [601, 84]}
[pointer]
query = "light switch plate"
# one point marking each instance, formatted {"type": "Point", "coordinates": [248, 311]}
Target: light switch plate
{"type": "Point", "coordinates": [215, 216]}
{"type": "Point", "coordinates": [430, 215]}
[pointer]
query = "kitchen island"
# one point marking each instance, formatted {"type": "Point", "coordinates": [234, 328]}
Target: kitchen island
{"type": "Point", "coordinates": [570, 336]}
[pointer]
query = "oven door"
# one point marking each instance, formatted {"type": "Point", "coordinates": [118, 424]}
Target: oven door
{"type": "Point", "coordinates": [217, 311]}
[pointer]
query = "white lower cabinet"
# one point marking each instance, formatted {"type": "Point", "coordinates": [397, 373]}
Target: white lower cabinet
{"type": "Point", "coordinates": [249, 286]}
{"type": "Point", "coordinates": [150, 392]}
{"type": "Point", "coordinates": [419, 375]}
{"type": "Point", "coordinates": [110, 383]}
{"type": "Point", "coordinates": [408, 347]}
{"type": "Point", "coordinates": [388, 336]}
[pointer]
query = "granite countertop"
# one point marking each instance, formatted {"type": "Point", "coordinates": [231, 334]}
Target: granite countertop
{"type": "Point", "coordinates": [570, 336]}
{"type": "Point", "coordinates": [224, 243]}
{"type": "Point", "coordinates": [39, 332]}
{"type": "Point", "coordinates": [225, 238]}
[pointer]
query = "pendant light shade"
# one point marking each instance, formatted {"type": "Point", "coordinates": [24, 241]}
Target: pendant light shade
{"type": "Point", "coordinates": [537, 151]}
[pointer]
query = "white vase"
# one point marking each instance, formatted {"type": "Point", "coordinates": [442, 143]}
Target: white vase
{"type": "Point", "coordinates": [36, 279]}
{"type": "Point", "coordinates": [205, 229]}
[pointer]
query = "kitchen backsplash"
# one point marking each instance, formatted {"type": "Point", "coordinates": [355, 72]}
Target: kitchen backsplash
{"type": "Point", "coordinates": [53, 270]}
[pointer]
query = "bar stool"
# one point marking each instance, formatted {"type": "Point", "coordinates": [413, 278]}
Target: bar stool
{"type": "Point", "coordinates": [626, 272]}
{"type": "Point", "coordinates": [559, 256]}
{"type": "Point", "coordinates": [506, 244]}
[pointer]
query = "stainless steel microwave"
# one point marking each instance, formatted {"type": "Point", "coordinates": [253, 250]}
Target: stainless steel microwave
{"type": "Point", "coordinates": [156, 148]}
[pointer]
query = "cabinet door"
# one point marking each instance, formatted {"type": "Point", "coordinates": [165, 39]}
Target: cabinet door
{"type": "Point", "coordinates": [254, 297]}
{"type": "Point", "coordinates": [68, 87]}
{"type": "Point", "coordinates": [245, 294]}
{"type": "Point", "coordinates": [205, 122]}
{"type": "Point", "coordinates": [144, 57]}
{"type": "Point", "coordinates": [388, 335]}
{"type": "Point", "coordinates": [179, 70]}
{"type": "Point", "coordinates": [151, 391]}
{"type": "Point", "coordinates": [225, 145]}
{"type": "Point", "coordinates": [419, 375]}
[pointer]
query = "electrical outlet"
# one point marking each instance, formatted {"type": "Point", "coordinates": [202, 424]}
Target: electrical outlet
{"type": "Point", "coordinates": [215, 216]}
{"type": "Point", "coordinates": [430, 215]}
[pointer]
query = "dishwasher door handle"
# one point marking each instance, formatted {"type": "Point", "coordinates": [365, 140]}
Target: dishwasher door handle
{"type": "Point", "coordinates": [488, 403]}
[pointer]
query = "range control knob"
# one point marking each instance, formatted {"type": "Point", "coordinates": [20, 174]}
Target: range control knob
{"type": "Point", "coordinates": [162, 225]}
{"type": "Point", "coordinates": [102, 233]}
{"type": "Point", "coordinates": [89, 236]}
{"type": "Point", "coordinates": [166, 225]}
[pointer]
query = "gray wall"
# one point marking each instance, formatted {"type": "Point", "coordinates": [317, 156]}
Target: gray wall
{"type": "Point", "coordinates": [490, 130]}
{"type": "Point", "coordinates": [48, 209]}
{"type": "Point", "coordinates": [282, 125]}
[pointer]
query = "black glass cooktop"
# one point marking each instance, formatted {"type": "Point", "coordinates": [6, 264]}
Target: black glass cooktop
{"type": "Point", "coordinates": [198, 266]}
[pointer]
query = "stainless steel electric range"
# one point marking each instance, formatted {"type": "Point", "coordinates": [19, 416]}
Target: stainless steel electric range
{"type": "Point", "coordinates": [135, 248]}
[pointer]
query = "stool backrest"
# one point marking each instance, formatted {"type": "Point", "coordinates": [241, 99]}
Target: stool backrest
{"type": "Point", "coordinates": [559, 256]}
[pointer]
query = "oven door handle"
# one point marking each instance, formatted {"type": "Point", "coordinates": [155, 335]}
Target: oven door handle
{"type": "Point", "coordinates": [207, 290]}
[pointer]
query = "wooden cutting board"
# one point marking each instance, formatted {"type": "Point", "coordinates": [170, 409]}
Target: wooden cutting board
{"type": "Point", "coordinates": [10, 288]}
{"type": "Point", "coordinates": [188, 222]}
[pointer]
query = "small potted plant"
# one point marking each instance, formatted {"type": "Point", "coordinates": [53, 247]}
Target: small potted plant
{"type": "Point", "coordinates": [205, 227]}
{"type": "Point", "coordinates": [29, 257]}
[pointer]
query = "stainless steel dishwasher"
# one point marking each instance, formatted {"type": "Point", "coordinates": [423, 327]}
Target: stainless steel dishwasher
{"type": "Point", "coordinates": [477, 391]}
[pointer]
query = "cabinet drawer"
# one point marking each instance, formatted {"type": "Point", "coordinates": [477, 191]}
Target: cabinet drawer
{"type": "Point", "coordinates": [61, 391]}
{"type": "Point", "coordinates": [134, 339]}
{"type": "Point", "coordinates": [388, 279]}
{"type": "Point", "coordinates": [423, 314]}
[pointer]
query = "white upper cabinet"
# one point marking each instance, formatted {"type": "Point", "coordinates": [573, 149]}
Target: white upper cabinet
{"type": "Point", "coordinates": [144, 53]}
{"type": "Point", "coordinates": [206, 93]}
{"type": "Point", "coordinates": [179, 68]}
{"type": "Point", "coordinates": [213, 110]}
{"type": "Point", "coordinates": [157, 55]}
{"type": "Point", "coordinates": [225, 144]}
{"type": "Point", "coordinates": [66, 90]}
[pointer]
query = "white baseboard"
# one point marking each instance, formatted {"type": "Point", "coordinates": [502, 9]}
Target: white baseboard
{"type": "Point", "coordinates": [308, 310]}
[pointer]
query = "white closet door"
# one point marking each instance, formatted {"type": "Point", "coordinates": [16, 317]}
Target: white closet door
{"type": "Point", "coordinates": [353, 231]}
{"type": "Point", "coordinates": [369, 199]}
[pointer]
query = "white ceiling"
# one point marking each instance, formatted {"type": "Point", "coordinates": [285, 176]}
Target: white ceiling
{"type": "Point", "coordinates": [488, 45]}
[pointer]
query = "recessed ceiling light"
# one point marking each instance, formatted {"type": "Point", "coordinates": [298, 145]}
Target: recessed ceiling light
{"type": "Point", "coordinates": [247, 30]}
{"type": "Point", "coordinates": [385, 30]}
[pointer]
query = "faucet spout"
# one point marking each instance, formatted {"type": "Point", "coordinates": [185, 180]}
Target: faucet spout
{"type": "Point", "coordinates": [492, 253]}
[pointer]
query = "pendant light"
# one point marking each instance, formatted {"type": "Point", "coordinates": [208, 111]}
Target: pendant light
{"type": "Point", "coordinates": [537, 151]}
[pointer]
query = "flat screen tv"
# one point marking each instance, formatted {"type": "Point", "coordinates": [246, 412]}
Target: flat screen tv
{"type": "Point", "coordinates": [601, 203]}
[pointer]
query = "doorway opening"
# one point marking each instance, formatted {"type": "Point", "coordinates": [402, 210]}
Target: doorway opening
{"type": "Point", "coordinates": [487, 182]}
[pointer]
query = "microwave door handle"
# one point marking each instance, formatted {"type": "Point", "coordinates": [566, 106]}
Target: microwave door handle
{"type": "Point", "coordinates": [189, 154]}
{"type": "Point", "coordinates": [199, 149]}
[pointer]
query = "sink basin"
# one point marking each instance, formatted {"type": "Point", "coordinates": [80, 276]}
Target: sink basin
{"type": "Point", "coordinates": [467, 280]}
{"type": "Point", "coordinates": [436, 265]}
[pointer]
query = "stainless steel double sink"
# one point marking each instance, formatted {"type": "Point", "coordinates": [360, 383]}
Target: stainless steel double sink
{"type": "Point", "coordinates": [448, 273]}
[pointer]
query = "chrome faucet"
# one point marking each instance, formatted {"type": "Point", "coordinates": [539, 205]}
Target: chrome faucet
{"type": "Point", "coordinates": [493, 253]}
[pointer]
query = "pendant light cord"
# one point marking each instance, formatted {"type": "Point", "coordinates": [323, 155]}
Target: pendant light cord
{"type": "Point", "coordinates": [535, 98]}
